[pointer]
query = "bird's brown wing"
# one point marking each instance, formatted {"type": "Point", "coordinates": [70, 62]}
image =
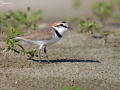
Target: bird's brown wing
{"type": "Point", "coordinates": [42, 34]}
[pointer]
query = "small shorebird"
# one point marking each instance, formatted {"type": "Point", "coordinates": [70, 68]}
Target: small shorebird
{"type": "Point", "coordinates": [46, 36]}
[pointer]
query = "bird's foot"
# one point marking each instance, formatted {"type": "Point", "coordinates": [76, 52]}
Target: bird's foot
{"type": "Point", "coordinates": [30, 58]}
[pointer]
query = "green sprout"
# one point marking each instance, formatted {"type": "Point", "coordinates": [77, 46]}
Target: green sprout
{"type": "Point", "coordinates": [85, 26]}
{"type": "Point", "coordinates": [13, 32]}
{"type": "Point", "coordinates": [3, 16]}
{"type": "Point", "coordinates": [23, 52]}
{"type": "Point", "coordinates": [105, 34]}
{"type": "Point", "coordinates": [32, 53]}
{"type": "Point", "coordinates": [14, 21]}
{"type": "Point", "coordinates": [103, 10]}
{"type": "Point", "coordinates": [27, 18]}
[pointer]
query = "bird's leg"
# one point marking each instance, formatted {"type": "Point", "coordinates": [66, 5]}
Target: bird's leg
{"type": "Point", "coordinates": [39, 53]}
{"type": "Point", "coordinates": [46, 53]}
{"type": "Point", "coordinates": [39, 56]}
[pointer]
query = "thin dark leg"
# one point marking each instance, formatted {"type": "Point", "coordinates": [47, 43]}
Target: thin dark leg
{"type": "Point", "coordinates": [45, 51]}
{"type": "Point", "coordinates": [30, 58]}
{"type": "Point", "coordinates": [39, 56]}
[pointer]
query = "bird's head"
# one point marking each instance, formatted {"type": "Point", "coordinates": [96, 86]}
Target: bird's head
{"type": "Point", "coordinates": [61, 25]}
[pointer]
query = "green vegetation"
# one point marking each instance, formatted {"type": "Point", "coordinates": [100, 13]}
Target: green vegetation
{"type": "Point", "coordinates": [13, 32]}
{"type": "Point", "coordinates": [19, 17]}
{"type": "Point", "coordinates": [103, 10]}
{"type": "Point", "coordinates": [86, 26]}
{"type": "Point", "coordinates": [32, 53]}
{"type": "Point", "coordinates": [74, 88]}
{"type": "Point", "coordinates": [14, 22]}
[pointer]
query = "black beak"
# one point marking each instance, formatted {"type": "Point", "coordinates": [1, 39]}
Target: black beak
{"type": "Point", "coordinates": [70, 28]}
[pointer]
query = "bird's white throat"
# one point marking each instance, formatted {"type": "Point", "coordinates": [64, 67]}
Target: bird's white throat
{"type": "Point", "coordinates": [61, 30]}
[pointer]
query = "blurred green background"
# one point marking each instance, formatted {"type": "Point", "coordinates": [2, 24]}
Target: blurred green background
{"type": "Point", "coordinates": [52, 9]}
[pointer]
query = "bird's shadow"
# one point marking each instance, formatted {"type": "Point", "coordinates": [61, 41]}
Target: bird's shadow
{"type": "Point", "coordinates": [66, 60]}
{"type": "Point", "coordinates": [97, 37]}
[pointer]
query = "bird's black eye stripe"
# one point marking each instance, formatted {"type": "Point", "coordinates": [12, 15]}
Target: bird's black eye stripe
{"type": "Point", "coordinates": [62, 26]}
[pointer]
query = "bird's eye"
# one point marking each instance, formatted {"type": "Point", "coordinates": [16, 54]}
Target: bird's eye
{"type": "Point", "coordinates": [61, 25]}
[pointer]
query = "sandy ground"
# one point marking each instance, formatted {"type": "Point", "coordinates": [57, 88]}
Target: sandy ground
{"type": "Point", "coordinates": [75, 60]}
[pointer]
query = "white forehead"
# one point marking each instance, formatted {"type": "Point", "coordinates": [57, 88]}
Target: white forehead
{"type": "Point", "coordinates": [65, 24]}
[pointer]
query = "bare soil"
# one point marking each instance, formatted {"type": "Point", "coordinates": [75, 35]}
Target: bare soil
{"type": "Point", "coordinates": [75, 60]}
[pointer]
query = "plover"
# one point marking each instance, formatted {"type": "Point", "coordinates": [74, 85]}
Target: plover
{"type": "Point", "coordinates": [46, 36]}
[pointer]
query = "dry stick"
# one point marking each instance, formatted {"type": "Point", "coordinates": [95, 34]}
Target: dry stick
{"type": "Point", "coordinates": [92, 31]}
{"type": "Point", "coordinates": [88, 31]}
{"type": "Point", "coordinates": [106, 38]}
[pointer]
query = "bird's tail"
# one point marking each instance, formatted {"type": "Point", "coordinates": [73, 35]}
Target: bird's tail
{"type": "Point", "coordinates": [19, 38]}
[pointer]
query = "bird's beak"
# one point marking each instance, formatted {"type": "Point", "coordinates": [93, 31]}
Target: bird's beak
{"type": "Point", "coordinates": [70, 28]}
